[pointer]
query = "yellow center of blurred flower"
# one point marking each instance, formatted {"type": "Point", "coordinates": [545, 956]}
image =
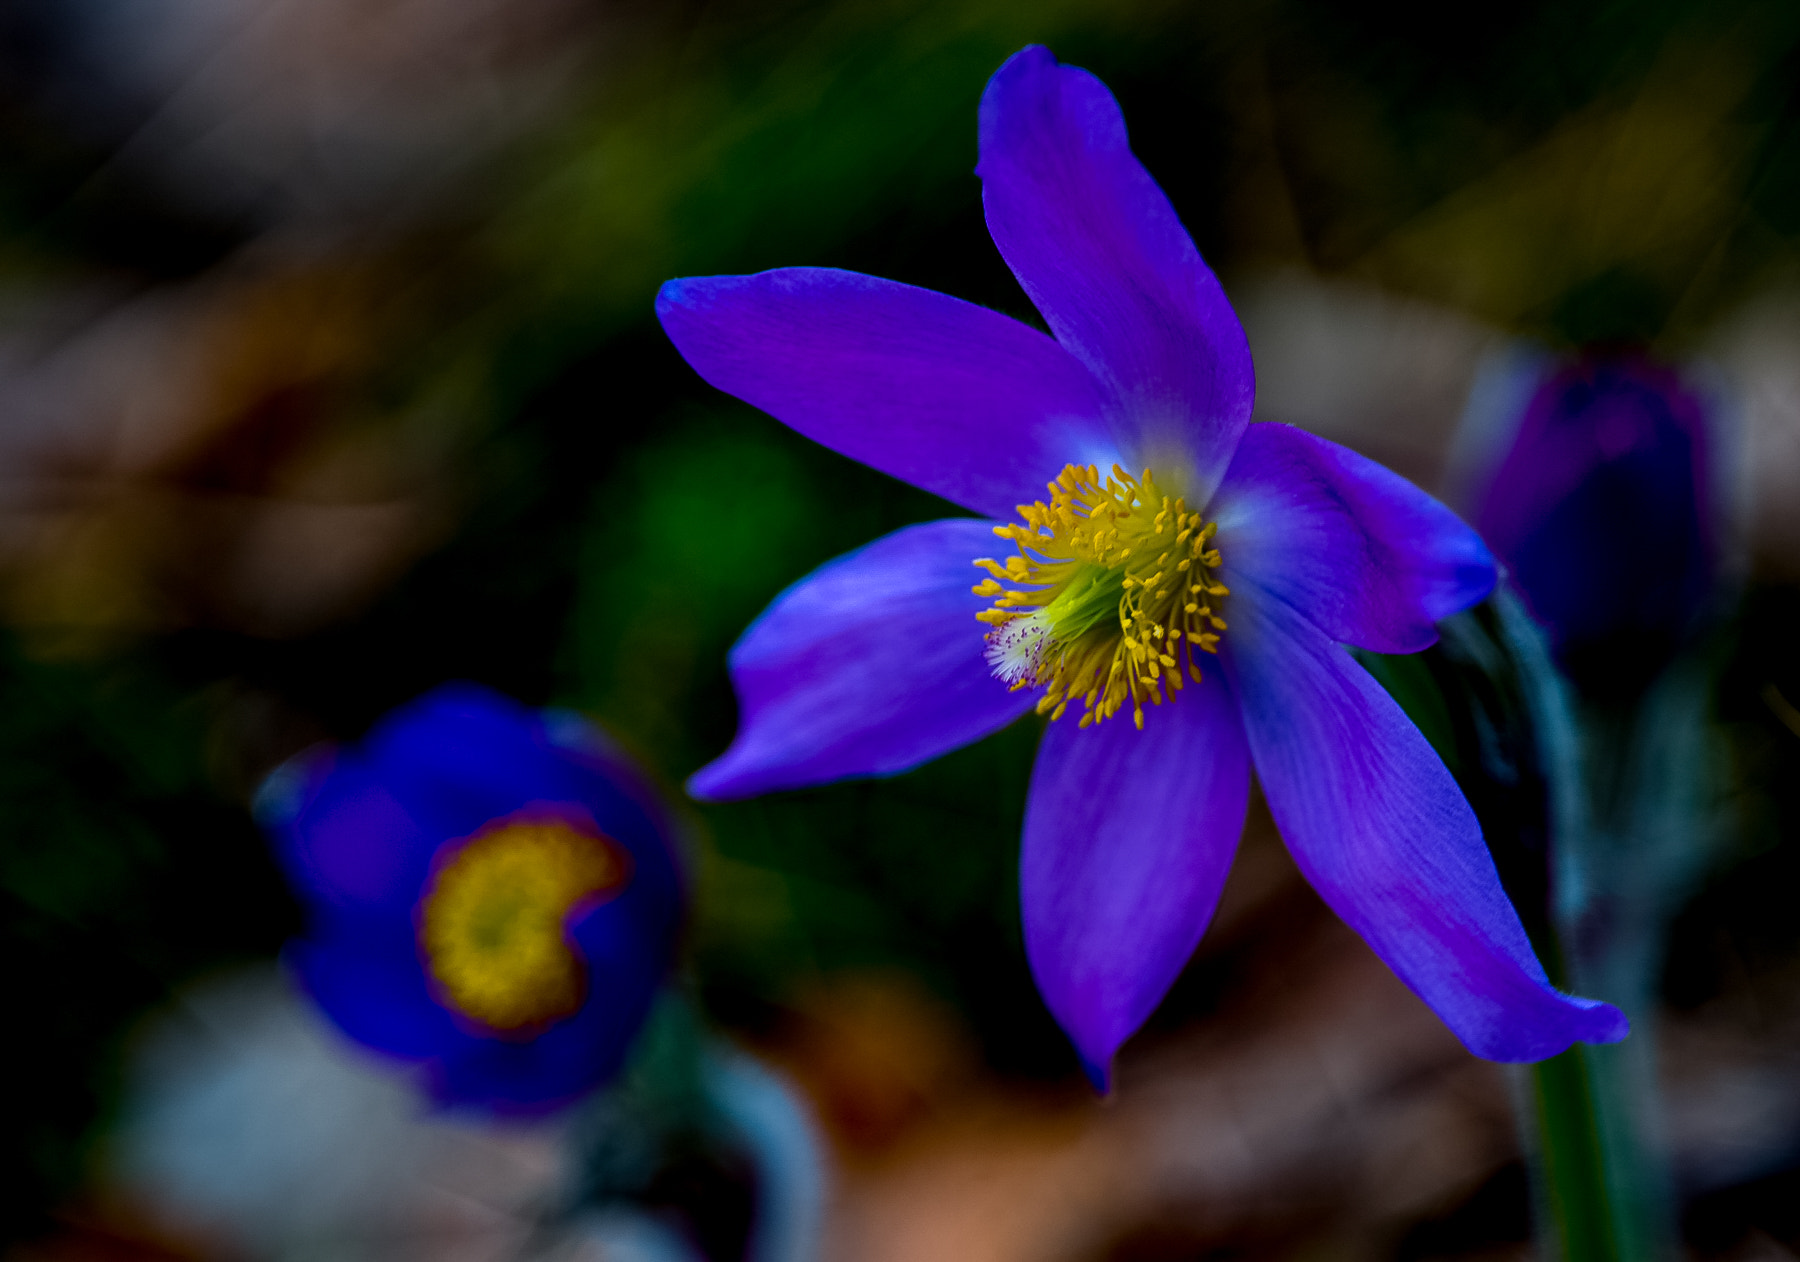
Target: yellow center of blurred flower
{"type": "Point", "coordinates": [493, 922]}
{"type": "Point", "coordinates": [1109, 595]}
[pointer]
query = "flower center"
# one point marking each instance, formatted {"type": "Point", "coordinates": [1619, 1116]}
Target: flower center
{"type": "Point", "coordinates": [1108, 597]}
{"type": "Point", "coordinates": [492, 921]}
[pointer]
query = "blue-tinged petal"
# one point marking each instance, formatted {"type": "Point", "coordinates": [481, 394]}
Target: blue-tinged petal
{"type": "Point", "coordinates": [871, 665]}
{"type": "Point", "coordinates": [461, 756]}
{"type": "Point", "coordinates": [657, 895]}
{"type": "Point", "coordinates": [952, 397]}
{"type": "Point", "coordinates": [1128, 836]}
{"type": "Point", "coordinates": [1367, 556]}
{"type": "Point", "coordinates": [624, 802]}
{"type": "Point", "coordinates": [626, 945]}
{"type": "Point", "coordinates": [1099, 249]}
{"type": "Point", "coordinates": [1378, 826]}
{"type": "Point", "coordinates": [350, 843]}
{"type": "Point", "coordinates": [368, 980]}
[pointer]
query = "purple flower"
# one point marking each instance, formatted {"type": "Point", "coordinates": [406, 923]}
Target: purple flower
{"type": "Point", "coordinates": [1178, 604]}
{"type": "Point", "coordinates": [1601, 507]}
{"type": "Point", "coordinates": [490, 893]}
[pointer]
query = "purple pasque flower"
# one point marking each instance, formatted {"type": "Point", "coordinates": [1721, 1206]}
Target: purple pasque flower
{"type": "Point", "coordinates": [1208, 596]}
{"type": "Point", "coordinates": [490, 892]}
{"type": "Point", "coordinates": [1602, 505]}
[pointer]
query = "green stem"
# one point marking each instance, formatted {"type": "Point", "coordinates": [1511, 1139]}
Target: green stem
{"type": "Point", "coordinates": [1627, 828]}
{"type": "Point", "coordinates": [1572, 1158]}
{"type": "Point", "coordinates": [1618, 852]}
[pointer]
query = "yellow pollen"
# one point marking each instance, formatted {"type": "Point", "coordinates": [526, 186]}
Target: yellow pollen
{"type": "Point", "coordinates": [493, 921]}
{"type": "Point", "coordinates": [1084, 612]}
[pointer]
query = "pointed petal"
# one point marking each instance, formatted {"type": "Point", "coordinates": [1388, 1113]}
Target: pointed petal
{"type": "Point", "coordinates": [1128, 837]}
{"type": "Point", "coordinates": [1364, 554]}
{"type": "Point", "coordinates": [952, 397]}
{"type": "Point", "coordinates": [869, 666]}
{"type": "Point", "coordinates": [1378, 826]}
{"type": "Point", "coordinates": [1100, 251]}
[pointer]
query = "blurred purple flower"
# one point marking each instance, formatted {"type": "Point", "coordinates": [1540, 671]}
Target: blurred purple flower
{"type": "Point", "coordinates": [878, 661]}
{"type": "Point", "coordinates": [1601, 508]}
{"type": "Point", "coordinates": [490, 893]}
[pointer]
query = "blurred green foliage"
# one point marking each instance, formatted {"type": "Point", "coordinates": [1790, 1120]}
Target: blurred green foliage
{"type": "Point", "coordinates": [123, 872]}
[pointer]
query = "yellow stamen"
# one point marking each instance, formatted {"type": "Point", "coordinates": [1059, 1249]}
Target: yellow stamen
{"type": "Point", "coordinates": [1089, 615]}
{"type": "Point", "coordinates": [493, 921]}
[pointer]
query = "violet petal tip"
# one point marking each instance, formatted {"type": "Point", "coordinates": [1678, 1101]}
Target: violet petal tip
{"type": "Point", "coordinates": [1099, 1073]}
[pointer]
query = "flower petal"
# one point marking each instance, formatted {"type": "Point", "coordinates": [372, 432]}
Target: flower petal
{"type": "Point", "coordinates": [1128, 836]}
{"type": "Point", "coordinates": [871, 665]}
{"type": "Point", "coordinates": [954, 398]}
{"type": "Point", "coordinates": [1367, 556]}
{"type": "Point", "coordinates": [1100, 251]}
{"type": "Point", "coordinates": [626, 947]}
{"type": "Point", "coordinates": [462, 755]}
{"type": "Point", "coordinates": [368, 980]}
{"type": "Point", "coordinates": [1378, 826]}
{"type": "Point", "coordinates": [345, 841]}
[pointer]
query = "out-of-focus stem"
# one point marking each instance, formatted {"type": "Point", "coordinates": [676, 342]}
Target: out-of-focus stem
{"type": "Point", "coordinates": [1627, 834]}
{"type": "Point", "coordinates": [1571, 1160]}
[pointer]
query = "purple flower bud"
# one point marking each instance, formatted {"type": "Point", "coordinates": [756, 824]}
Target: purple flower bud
{"type": "Point", "coordinates": [1602, 508]}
